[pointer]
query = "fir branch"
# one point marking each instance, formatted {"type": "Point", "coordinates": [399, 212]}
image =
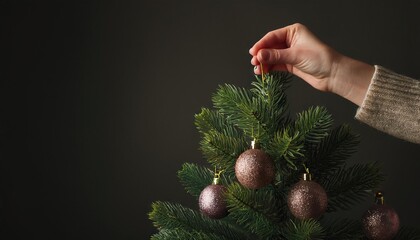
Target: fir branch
{"type": "Point", "coordinates": [258, 211]}
{"type": "Point", "coordinates": [271, 100]}
{"type": "Point", "coordinates": [231, 101]}
{"type": "Point", "coordinates": [343, 229]}
{"type": "Point", "coordinates": [259, 112]}
{"type": "Point", "coordinates": [273, 86]}
{"type": "Point", "coordinates": [195, 178]}
{"type": "Point", "coordinates": [313, 124]}
{"type": "Point", "coordinates": [208, 120]}
{"type": "Point", "coordinates": [350, 186]}
{"type": "Point", "coordinates": [222, 150]}
{"type": "Point", "coordinates": [221, 142]}
{"type": "Point", "coordinates": [285, 148]}
{"type": "Point", "coordinates": [264, 118]}
{"type": "Point", "coordinates": [211, 120]}
{"type": "Point", "coordinates": [174, 216]}
{"type": "Point", "coordinates": [182, 234]}
{"type": "Point", "coordinates": [327, 157]}
{"type": "Point", "coordinates": [303, 230]}
{"type": "Point", "coordinates": [240, 108]}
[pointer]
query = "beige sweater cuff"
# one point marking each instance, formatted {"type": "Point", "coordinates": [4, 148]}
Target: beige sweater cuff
{"type": "Point", "coordinates": [392, 105]}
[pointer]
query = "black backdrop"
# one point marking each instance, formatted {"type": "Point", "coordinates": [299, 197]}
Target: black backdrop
{"type": "Point", "coordinates": [98, 98]}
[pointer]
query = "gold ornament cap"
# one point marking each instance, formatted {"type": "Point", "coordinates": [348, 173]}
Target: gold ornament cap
{"type": "Point", "coordinates": [216, 180]}
{"type": "Point", "coordinates": [379, 198]}
{"type": "Point", "coordinates": [255, 144]}
{"type": "Point", "coordinates": [307, 176]}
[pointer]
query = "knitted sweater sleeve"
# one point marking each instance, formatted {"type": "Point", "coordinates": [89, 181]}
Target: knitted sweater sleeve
{"type": "Point", "coordinates": [392, 105]}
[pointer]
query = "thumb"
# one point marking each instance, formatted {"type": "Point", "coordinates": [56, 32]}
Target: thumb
{"type": "Point", "coordinates": [276, 56]}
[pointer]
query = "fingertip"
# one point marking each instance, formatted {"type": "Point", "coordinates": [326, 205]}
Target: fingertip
{"type": "Point", "coordinates": [254, 61]}
{"type": "Point", "coordinates": [252, 51]}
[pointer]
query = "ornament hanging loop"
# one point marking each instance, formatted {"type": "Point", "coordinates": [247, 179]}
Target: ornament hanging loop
{"type": "Point", "coordinates": [216, 179]}
{"type": "Point", "coordinates": [255, 143]}
{"type": "Point", "coordinates": [379, 197]}
{"type": "Point", "coordinates": [262, 72]}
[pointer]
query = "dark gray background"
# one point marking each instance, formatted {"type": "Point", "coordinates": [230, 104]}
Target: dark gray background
{"type": "Point", "coordinates": [98, 99]}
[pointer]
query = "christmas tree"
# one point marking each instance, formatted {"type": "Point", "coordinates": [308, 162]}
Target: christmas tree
{"type": "Point", "coordinates": [259, 193]}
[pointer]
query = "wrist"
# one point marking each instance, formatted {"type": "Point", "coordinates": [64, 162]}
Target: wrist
{"type": "Point", "coordinates": [351, 79]}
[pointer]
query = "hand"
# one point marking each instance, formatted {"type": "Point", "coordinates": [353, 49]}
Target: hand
{"type": "Point", "coordinates": [296, 50]}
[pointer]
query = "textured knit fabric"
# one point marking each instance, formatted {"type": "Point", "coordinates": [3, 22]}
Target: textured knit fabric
{"type": "Point", "coordinates": [392, 105]}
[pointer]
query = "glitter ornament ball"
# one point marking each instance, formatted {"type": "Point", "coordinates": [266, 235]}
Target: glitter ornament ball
{"type": "Point", "coordinates": [254, 169]}
{"type": "Point", "coordinates": [307, 199]}
{"type": "Point", "coordinates": [380, 222]}
{"type": "Point", "coordinates": [212, 201]}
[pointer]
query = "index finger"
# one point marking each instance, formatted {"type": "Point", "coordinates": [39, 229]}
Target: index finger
{"type": "Point", "coordinates": [274, 39]}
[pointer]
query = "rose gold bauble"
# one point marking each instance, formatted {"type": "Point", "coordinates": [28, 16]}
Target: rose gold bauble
{"type": "Point", "coordinates": [254, 169]}
{"type": "Point", "coordinates": [307, 199]}
{"type": "Point", "coordinates": [381, 222]}
{"type": "Point", "coordinates": [212, 201]}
